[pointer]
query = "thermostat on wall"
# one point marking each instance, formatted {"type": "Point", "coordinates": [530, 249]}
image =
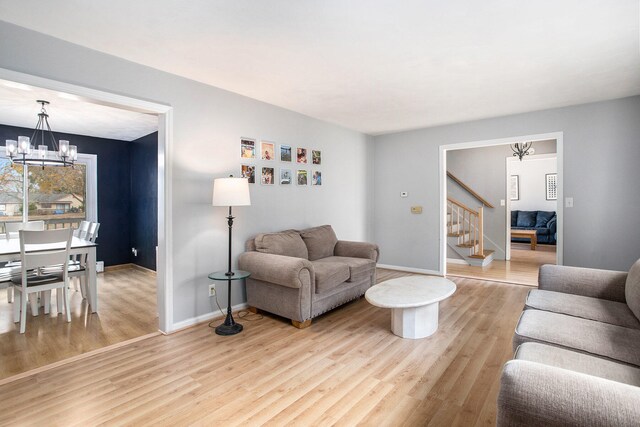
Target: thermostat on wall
{"type": "Point", "coordinates": [403, 194]}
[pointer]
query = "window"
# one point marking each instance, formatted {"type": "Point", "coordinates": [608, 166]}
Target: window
{"type": "Point", "coordinates": [61, 196]}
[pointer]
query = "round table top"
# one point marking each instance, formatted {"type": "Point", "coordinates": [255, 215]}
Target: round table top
{"type": "Point", "coordinates": [410, 291]}
{"type": "Point", "coordinates": [222, 275]}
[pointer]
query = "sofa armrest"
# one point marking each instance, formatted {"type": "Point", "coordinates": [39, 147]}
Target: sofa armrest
{"type": "Point", "coordinates": [536, 394]}
{"type": "Point", "coordinates": [589, 282]}
{"type": "Point", "coordinates": [279, 269]}
{"type": "Point", "coordinates": [357, 250]}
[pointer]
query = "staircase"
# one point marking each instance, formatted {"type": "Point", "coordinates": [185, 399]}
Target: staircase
{"type": "Point", "coordinates": [465, 234]}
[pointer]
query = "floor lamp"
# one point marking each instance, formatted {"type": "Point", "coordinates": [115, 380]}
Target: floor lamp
{"type": "Point", "coordinates": [230, 192]}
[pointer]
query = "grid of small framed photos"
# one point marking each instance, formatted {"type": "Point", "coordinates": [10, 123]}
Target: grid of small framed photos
{"type": "Point", "coordinates": [269, 163]}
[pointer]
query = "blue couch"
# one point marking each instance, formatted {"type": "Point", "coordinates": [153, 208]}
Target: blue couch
{"type": "Point", "coordinates": [543, 222]}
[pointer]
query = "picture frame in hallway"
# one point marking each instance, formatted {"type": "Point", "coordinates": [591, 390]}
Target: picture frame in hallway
{"type": "Point", "coordinates": [514, 187]}
{"type": "Point", "coordinates": [316, 157]}
{"type": "Point", "coordinates": [316, 178]}
{"type": "Point", "coordinates": [551, 185]}
{"type": "Point", "coordinates": [301, 155]}
{"type": "Point", "coordinates": [247, 148]}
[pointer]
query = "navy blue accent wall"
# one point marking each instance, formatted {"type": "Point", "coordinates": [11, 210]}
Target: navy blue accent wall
{"type": "Point", "coordinates": [144, 199]}
{"type": "Point", "coordinates": [114, 190]}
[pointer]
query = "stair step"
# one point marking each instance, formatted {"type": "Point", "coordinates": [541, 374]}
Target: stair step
{"type": "Point", "coordinates": [487, 252]}
{"type": "Point", "coordinates": [468, 244]}
{"type": "Point", "coordinates": [455, 234]}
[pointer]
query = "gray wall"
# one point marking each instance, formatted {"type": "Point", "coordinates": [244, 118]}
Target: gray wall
{"type": "Point", "coordinates": [601, 155]}
{"type": "Point", "coordinates": [484, 170]}
{"type": "Point", "coordinates": [208, 124]}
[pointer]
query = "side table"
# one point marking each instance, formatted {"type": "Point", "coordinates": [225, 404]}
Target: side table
{"type": "Point", "coordinates": [229, 327]}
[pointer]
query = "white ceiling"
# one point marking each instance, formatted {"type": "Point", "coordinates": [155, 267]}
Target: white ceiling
{"type": "Point", "coordinates": [70, 114]}
{"type": "Point", "coordinates": [372, 65]}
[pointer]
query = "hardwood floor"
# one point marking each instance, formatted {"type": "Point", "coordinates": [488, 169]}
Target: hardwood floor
{"type": "Point", "coordinates": [521, 269]}
{"type": "Point", "coordinates": [346, 369]}
{"type": "Point", "coordinates": [127, 310]}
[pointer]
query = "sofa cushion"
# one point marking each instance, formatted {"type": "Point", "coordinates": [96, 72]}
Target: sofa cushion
{"type": "Point", "coordinates": [320, 241]}
{"type": "Point", "coordinates": [526, 219]}
{"type": "Point", "coordinates": [329, 275]}
{"type": "Point", "coordinates": [588, 336]}
{"type": "Point", "coordinates": [632, 289]}
{"type": "Point", "coordinates": [615, 313]}
{"type": "Point", "coordinates": [514, 218]}
{"type": "Point", "coordinates": [543, 217]}
{"type": "Point", "coordinates": [287, 243]}
{"type": "Point", "coordinates": [357, 266]}
{"type": "Point", "coordinates": [578, 362]}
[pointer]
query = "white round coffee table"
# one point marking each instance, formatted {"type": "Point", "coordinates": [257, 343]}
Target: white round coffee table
{"type": "Point", "coordinates": [413, 301]}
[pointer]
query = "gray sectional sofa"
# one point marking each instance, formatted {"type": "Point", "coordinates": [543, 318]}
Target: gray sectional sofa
{"type": "Point", "coordinates": [302, 274]}
{"type": "Point", "coordinates": [577, 351]}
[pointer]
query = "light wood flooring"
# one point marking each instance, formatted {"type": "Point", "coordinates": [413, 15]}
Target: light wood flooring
{"type": "Point", "coordinates": [346, 369]}
{"type": "Point", "coordinates": [521, 269]}
{"type": "Point", "coordinates": [127, 310]}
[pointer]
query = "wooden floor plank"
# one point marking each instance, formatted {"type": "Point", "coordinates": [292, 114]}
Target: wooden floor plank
{"type": "Point", "coordinates": [346, 369]}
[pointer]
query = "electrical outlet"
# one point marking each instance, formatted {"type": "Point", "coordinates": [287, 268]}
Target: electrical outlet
{"type": "Point", "coordinates": [212, 290]}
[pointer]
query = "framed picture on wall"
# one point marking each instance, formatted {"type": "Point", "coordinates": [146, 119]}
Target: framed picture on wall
{"type": "Point", "coordinates": [285, 176]}
{"type": "Point", "coordinates": [551, 186]}
{"type": "Point", "coordinates": [249, 172]}
{"type": "Point", "coordinates": [316, 178]}
{"type": "Point", "coordinates": [285, 153]}
{"type": "Point", "coordinates": [268, 150]}
{"type": "Point", "coordinates": [247, 148]}
{"type": "Point", "coordinates": [514, 187]}
{"type": "Point", "coordinates": [316, 157]}
{"type": "Point", "coordinates": [301, 155]}
{"type": "Point", "coordinates": [301, 177]}
{"type": "Point", "coordinates": [267, 176]}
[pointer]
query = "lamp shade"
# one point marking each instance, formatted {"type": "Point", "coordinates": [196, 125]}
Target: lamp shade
{"type": "Point", "coordinates": [231, 192]}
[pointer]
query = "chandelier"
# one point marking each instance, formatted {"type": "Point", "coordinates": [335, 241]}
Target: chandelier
{"type": "Point", "coordinates": [48, 151]}
{"type": "Point", "coordinates": [521, 149]}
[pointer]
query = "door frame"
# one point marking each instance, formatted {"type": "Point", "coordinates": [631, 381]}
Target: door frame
{"type": "Point", "coordinates": [164, 273]}
{"type": "Point", "coordinates": [558, 136]}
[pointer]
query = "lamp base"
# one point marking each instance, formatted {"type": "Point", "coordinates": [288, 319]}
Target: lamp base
{"type": "Point", "coordinates": [229, 329]}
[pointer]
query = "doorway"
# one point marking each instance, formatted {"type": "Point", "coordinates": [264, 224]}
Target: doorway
{"type": "Point", "coordinates": [160, 281]}
{"type": "Point", "coordinates": [503, 267]}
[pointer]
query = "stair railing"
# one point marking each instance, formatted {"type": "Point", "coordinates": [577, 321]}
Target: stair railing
{"type": "Point", "coordinates": [467, 221]}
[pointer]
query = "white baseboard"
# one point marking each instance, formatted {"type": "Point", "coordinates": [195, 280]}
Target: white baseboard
{"type": "Point", "coordinates": [183, 324]}
{"type": "Point", "coordinates": [456, 261]}
{"type": "Point", "coordinates": [410, 269]}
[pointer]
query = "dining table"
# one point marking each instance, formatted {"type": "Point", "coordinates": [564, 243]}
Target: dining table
{"type": "Point", "coordinates": [10, 251]}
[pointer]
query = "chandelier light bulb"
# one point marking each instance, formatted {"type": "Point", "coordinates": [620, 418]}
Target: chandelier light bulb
{"type": "Point", "coordinates": [63, 148]}
{"type": "Point", "coordinates": [11, 147]}
{"type": "Point", "coordinates": [24, 145]}
{"type": "Point", "coordinates": [73, 153]}
{"type": "Point", "coordinates": [42, 151]}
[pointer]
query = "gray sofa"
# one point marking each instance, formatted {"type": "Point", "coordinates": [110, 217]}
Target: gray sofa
{"type": "Point", "coordinates": [302, 274]}
{"type": "Point", "coordinates": [577, 351]}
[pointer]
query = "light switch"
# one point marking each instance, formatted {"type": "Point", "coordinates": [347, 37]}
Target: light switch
{"type": "Point", "coordinates": [568, 202]}
{"type": "Point", "coordinates": [403, 194]}
{"type": "Point", "coordinates": [502, 202]}
{"type": "Point", "coordinates": [416, 209]}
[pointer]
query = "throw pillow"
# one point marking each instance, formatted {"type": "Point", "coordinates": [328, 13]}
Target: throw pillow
{"type": "Point", "coordinates": [526, 219]}
{"type": "Point", "coordinates": [320, 241]}
{"type": "Point", "coordinates": [287, 243]}
{"type": "Point", "coordinates": [543, 218]}
{"type": "Point", "coordinates": [514, 218]}
{"type": "Point", "coordinates": [632, 289]}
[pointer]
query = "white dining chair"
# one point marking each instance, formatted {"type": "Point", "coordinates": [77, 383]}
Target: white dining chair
{"type": "Point", "coordinates": [38, 250]}
{"type": "Point", "coordinates": [83, 228]}
{"type": "Point", "coordinates": [12, 268]}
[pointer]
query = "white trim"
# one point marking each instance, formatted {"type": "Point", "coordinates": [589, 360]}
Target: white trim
{"type": "Point", "coordinates": [457, 261]}
{"type": "Point", "coordinates": [91, 185]}
{"type": "Point", "coordinates": [409, 269]}
{"type": "Point", "coordinates": [204, 318]}
{"type": "Point", "coordinates": [558, 136]}
{"type": "Point", "coordinates": [165, 142]}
